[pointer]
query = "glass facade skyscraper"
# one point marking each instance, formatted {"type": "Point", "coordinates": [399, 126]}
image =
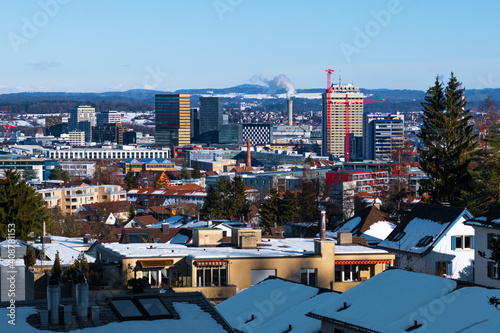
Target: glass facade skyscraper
{"type": "Point", "coordinates": [173, 119]}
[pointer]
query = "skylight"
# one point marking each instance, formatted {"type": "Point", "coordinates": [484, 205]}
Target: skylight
{"type": "Point", "coordinates": [424, 241]}
{"type": "Point", "coordinates": [125, 309]}
{"type": "Point", "coordinates": [153, 308]}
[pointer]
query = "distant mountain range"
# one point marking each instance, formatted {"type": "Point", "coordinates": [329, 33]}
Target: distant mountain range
{"type": "Point", "coordinates": [396, 99]}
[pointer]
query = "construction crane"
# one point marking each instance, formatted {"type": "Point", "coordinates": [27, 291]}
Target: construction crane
{"type": "Point", "coordinates": [328, 107]}
{"type": "Point", "coordinates": [7, 126]}
{"type": "Point", "coordinates": [3, 111]}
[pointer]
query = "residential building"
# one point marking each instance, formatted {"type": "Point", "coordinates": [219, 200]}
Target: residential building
{"type": "Point", "coordinates": [369, 181]}
{"type": "Point", "coordinates": [212, 268]}
{"type": "Point", "coordinates": [147, 164]}
{"type": "Point", "coordinates": [370, 223]}
{"type": "Point", "coordinates": [77, 138]}
{"type": "Point", "coordinates": [172, 122]}
{"type": "Point", "coordinates": [106, 153]}
{"type": "Point", "coordinates": [295, 301]}
{"type": "Point", "coordinates": [78, 169]}
{"type": "Point", "coordinates": [211, 111]}
{"type": "Point", "coordinates": [336, 101]}
{"type": "Point", "coordinates": [486, 234]}
{"type": "Point", "coordinates": [401, 301]}
{"type": "Point", "coordinates": [108, 117]}
{"type": "Point", "coordinates": [107, 212]}
{"type": "Point", "coordinates": [434, 239]}
{"type": "Point", "coordinates": [173, 195]}
{"type": "Point", "coordinates": [383, 134]}
{"type": "Point", "coordinates": [70, 199]}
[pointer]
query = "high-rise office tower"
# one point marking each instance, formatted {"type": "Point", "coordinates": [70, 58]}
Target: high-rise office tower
{"type": "Point", "coordinates": [82, 118]}
{"type": "Point", "coordinates": [335, 118]}
{"type": "Point", "coordinates": [108, 117]}
{"type": "Point", "coordinates": [172, 123]}
{"type": "Point", "coordinates": [382, 135]}
{"type": "Point", "coordinates": [211, 111]}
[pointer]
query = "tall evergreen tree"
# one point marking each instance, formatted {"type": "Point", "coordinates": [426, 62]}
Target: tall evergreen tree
{"type": "Point", "coordinates": [58, 173]}
{"type": "Point", "coordinates": [287, 207]}
{"type": "Point", "coordinates": [29, 257]}
{"type": "Point", "coordinates": [238, 202]}
{"type": "Point", "coordinates": [196, 170]}
{"type": "Point", "coordinates": [184, 172]}
{"type": "Point", "coordinates": [21, 206]}
{"type": "Point", "coordinates": [212, 207]}
{"type": "Point", "coordinates": [57, 265]}
{"type": "Point", "coordinates": [448, 141]}
{"type": "Point", "coordinates": [130, 180]}
{"type": "Point", "coordinates": [308, 202]}
{"type": "Point", "coordinates": [269, 209]}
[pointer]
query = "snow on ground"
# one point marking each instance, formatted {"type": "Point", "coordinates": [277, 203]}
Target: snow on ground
{"type": "Point", "coordinates": [386, 298]}
{"type": "Point", "coordinates": [266, 301]}
{"type": "Point", "coordinates": [378, 231]}
{"type": "Point", "coordinates": [416, 230]}
{"type": "Point", "coordinates": [192, 319]}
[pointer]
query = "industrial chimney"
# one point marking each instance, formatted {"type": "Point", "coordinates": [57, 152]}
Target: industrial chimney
{"type": "Point", "coordinates": [249, 155]}
{"type": "Point", "coordinates": [290, 112]}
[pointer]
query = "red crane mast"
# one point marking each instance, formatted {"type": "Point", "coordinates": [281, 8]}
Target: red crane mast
{"type": "Point", "coordinates": [7, 126]}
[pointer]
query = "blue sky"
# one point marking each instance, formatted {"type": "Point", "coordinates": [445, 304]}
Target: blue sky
{"type": "Point", "coordinates": [76, 45]}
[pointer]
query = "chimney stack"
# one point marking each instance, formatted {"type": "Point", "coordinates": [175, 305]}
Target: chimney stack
{"type": "Point", "coordinates": [290, 112]}
{"type": "Point", "coordinates": [323, 225]}
{"type": "Point", "coordinates": [249, 155]}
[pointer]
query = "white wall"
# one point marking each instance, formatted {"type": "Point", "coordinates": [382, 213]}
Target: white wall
{"type": "Point", "coordinates": [481, 267]}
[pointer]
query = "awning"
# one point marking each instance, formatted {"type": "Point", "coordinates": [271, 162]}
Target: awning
{"type": "Point", "coordinates": [210, 263]}
{"type": "Point", "coordinates": [155, 263]}
{"type": "Point", "coordinates": [362, 262]}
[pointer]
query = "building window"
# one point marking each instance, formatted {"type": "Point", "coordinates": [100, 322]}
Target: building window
{"type": "Point", "coordinates": [211, 276]}
{"type": "Point", "coordinates": [493, 270]}
{"type": "Point", "coordinates": [347, 273]}
{"type": "Point", "coordinates": [465, 242]}
{"type": "Point", "coordinates": [155, 278]}
{"type": "Point", "coordinates": [492, 238]}
{"type": "Point", "coordinates": [444, 268]}
{"type": "Point", "coordinates": [308, 276]}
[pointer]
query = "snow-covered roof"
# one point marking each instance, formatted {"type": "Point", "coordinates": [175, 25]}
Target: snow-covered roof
{"type": "Point", "coordinates": [192, 319]}
{"type": "Point", "coordinates": [491, 219]}
{"type": "Point", "coordinates": [393, 300]}
{"type": "Point", "coordinates": [422, 227]}
{"type": "Point", "coordinates": [378, 231]}
{"type": "Point", "coordinates": [67, 255]}
{"type": "Point", "coordinates": [291, 302]}
{"type": "Point", "coordinates": [288, 247]}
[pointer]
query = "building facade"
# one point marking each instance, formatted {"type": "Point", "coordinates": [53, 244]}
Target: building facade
{"type": "Point", "coordinates": [211, 111]}
{"type": "Point", "coordinates": [382, 135]}
{"type": "Point", "coordinates": [70, 199]}
{"type": "Point", "coordinates": [119, 153]}
{"type": "Point", "coordinates": [76, 138]}
{"type": "Point", "coordinates": [173, 119]}
{"type": "Point", "coordinates": [257, 133]}
{"type": "Point", "coordinates": [82, 118]}
{"type": "Point", "coordinates": [335, 104]}
{"type": "Point", "coordinates": [108, 117]}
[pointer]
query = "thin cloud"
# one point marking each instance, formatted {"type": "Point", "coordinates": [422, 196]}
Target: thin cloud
{"type": "Point", "coordinates": [43, 65]}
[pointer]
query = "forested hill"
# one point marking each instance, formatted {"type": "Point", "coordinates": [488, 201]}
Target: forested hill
{"type": "Point", "coordinates": [140, 99]}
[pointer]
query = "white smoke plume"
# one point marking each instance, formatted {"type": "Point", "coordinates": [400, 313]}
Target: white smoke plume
{"type": "Point", "coordinates": [280, 81]}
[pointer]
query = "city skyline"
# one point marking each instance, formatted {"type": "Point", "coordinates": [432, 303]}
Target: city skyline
{"type": "Point", "coordinates": [70, 46]}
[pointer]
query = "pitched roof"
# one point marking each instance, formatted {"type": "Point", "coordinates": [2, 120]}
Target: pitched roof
{"type": "Point", "coordinates": [411, 298]}
{"type": "Point", "coordinates": [298, 299]}
{"type": "Point", "coordinates": [113, 206]}
{"type": "Point", "coordinates": [422, 228]}
{"type": "Point", "coordinates": [490, 219]}
{"type": "Point", "coordinates": [146, 220]}
{"type": "Point", "coordinates": [370, 223]}
{"type": "Point", "coordinates": [143, 235]}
